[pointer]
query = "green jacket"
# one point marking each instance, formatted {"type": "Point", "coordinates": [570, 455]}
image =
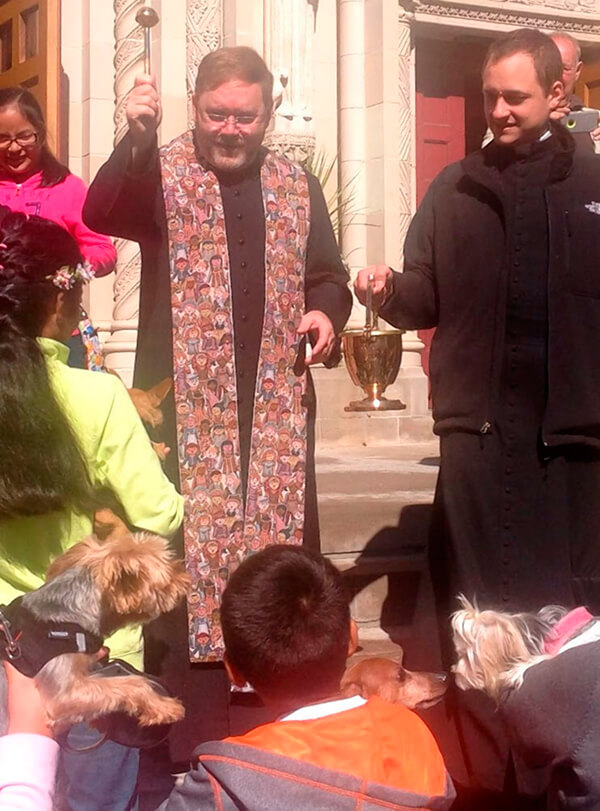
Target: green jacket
{"type": "Point", "coordinates": [121, 462]}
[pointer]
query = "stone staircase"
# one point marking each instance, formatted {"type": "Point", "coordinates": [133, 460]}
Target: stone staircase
{"type": "Point", "coordinates": [375, 508]}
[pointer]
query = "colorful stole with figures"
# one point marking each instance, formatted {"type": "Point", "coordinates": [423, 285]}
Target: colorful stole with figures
{"type": "Point", "coordinates": [219, 530]}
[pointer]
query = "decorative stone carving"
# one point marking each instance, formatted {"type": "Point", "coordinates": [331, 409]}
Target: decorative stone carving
{"type": "Point", "coordinates": [129, 44]}
{"type": "Point", "coordinates": [534, 14]}
{"type": "Point", "coordinates": [288, 31]}
{"type": "Point", "coordinates": [297, 148]}
{"type": "Point", "coordinates": [119, 349]}
{"type": "Point", "coordinates": [412, 343]}
{"type": "Point", "coordinates": [204, 29]}
{"type": "Point", "coordinates": [405, 109]}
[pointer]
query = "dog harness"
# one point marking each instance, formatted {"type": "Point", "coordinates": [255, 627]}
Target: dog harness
{"type": "Point", "coordinates": [31, 642]}
{"type": "Point", "coordinates": [566, 628]}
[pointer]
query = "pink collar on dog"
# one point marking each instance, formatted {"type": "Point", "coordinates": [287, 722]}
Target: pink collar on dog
{"type": "Point", "coordinates": [565, 628]}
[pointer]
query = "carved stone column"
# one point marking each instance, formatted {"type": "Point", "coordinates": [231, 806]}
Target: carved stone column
{"type": "Point", "coordinates": [288, 42]}
{"type": "Point", "coordinates": [119, 350]}
{"type": "Point", "coordinates": [411, 363]}
{"type": "Point", "coordinates": [352, 136]}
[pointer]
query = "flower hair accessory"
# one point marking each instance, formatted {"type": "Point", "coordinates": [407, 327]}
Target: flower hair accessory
{"type": "Point", "coordinates": [67, 276]}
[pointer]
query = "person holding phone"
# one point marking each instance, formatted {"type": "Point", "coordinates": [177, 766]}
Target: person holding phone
{"type": "Point", "coordinates": [582, 122]}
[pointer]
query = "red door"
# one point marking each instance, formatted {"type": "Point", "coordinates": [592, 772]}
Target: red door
{"type": "Point", "coordinates": [440, 111]}
{"type": "Point", "coordinates": [446, 73]}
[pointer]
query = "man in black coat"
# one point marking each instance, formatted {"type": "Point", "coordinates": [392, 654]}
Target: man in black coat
{"type": "Point", "coordinates": [239, 267]}
{"type": "Point", "coordinates": [503, 257]}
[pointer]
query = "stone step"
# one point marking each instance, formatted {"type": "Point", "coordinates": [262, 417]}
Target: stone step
{"type": "Point", "coordinates": [375, 501]}
{"type": "Point", "coordinates": [375, 510]}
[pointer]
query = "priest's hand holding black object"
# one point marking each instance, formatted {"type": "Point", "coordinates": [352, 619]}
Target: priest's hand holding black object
{"type": "Point", "coordinates": [143, 113]}
{"type": "Point", "coordinates": [322, 336]}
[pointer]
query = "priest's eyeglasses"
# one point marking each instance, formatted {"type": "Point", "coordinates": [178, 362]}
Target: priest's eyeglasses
{"type": "Point", "coordinates": [239, 120]}
{"type": "Point", "coordinates": [23, 139]}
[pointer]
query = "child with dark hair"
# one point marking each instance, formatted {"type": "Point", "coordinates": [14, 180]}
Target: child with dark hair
{"type": "Point", "coordinates": [34, 182]}
{"type": "Point", "coordinates": [71, 442]}
{"type": "Point", "coordinates": [287, 629]}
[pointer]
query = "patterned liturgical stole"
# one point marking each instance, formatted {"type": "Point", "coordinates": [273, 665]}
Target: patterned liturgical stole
{"type": "Point", "coordinates": [221, 527]}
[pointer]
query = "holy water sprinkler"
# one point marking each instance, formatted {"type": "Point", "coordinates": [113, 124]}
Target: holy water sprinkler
{"type": "Point", "coordinates": [147, 18]}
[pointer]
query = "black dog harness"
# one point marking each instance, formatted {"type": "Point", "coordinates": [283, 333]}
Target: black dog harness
{"type": "Point", "coordinates": [31, 642]}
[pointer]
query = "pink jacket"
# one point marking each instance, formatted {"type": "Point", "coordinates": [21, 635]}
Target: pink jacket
{"type": "Point", "coordinates": [61, 204]}
{"type": "Point", "coordinates": [27, 769]}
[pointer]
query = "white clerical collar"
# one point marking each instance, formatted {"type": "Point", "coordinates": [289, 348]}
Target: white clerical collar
{"type": "Point", "coordinates": [545, 136]}
{"type": "Point", "coordinates": [314, 711]}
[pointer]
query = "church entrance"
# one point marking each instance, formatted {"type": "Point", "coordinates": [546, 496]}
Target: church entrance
{"type": "Point", "coordinates": [449, 112]}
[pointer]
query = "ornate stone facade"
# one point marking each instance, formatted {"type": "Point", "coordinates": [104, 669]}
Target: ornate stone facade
{"type": "Point", "coordinates": [204, 33]}
{"type": "Point", "coordinates": [577, 17]}
{"type": "Point", "coordinates": [119, 349]}
{"type": "Point", "coordinates": [288, 50]}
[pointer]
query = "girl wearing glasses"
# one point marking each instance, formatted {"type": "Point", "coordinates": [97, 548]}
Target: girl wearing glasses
{"type": "Point", "coordinates": [33, 181]}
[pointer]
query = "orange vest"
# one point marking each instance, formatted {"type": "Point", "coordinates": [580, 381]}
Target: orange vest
{"type": "Point", "coordinates": [377, 742]}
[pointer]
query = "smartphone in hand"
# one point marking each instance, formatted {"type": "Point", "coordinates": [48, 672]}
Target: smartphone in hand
{"type": "Point", "coordinates": [581, 121]}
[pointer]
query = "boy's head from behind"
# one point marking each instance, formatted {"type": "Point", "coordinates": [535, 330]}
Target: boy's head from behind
{"type": "Point", "coordinates": [286, 624]}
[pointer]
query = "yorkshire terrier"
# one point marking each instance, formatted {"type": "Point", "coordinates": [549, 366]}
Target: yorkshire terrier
{"type": "Point", "coordinates": [542, 671]}
{"type": "Point", "coordinates": [92, 590]}
{"type": "Point", "coordinates": [495, 648]}
{"type": "Point", "coordinates": [388, 679]}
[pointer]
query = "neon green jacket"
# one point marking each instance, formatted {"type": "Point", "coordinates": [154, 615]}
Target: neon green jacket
{"type": "Point", "coordinates": [120, 460]}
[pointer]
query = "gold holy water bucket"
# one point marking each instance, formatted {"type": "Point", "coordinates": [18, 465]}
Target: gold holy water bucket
{"type": "Point", "coordinates": [373, 358]}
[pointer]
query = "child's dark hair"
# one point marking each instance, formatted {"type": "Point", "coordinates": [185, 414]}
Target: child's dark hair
{"type": "Point", "coordinates": [286, 624]}
{"type": "Point", "coordinates": [53, 171]}
{"type": "Point", "coordinates": [41, 465]}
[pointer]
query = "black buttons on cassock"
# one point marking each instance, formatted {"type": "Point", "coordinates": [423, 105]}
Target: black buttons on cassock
{"type": "Point", "coordinates": [244, 317]}
{"type": "Point", "coordinates": [244, 265]}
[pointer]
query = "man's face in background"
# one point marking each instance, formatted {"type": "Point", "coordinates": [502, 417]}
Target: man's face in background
{"type": "Point", "coordinates": [571, 62]}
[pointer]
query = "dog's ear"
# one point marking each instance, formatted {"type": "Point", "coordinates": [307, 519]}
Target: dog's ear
{"type": "Point", "coordinates": [351, 688]}
{"type": "Point", "coordinates": [160, 390]}
{"type": "Point", "coordinates": [72, 557]}
{"type": "Point", "coordinates": [467, 605]}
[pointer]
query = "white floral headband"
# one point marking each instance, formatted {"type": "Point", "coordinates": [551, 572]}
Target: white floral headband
{"type": "Point", "coordinates": [67, 276]}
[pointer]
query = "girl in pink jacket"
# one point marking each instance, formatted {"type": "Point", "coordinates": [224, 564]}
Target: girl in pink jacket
{"type": "Point", "coordinates": [33, 181]}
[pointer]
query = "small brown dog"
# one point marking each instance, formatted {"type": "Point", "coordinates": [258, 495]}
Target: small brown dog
{"type": "Point", "coordinates": [386, 678]}
{"type": "Point", "coordinates": [98, 588]}
{"type": "Point", "coordinates": [147, 404]}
